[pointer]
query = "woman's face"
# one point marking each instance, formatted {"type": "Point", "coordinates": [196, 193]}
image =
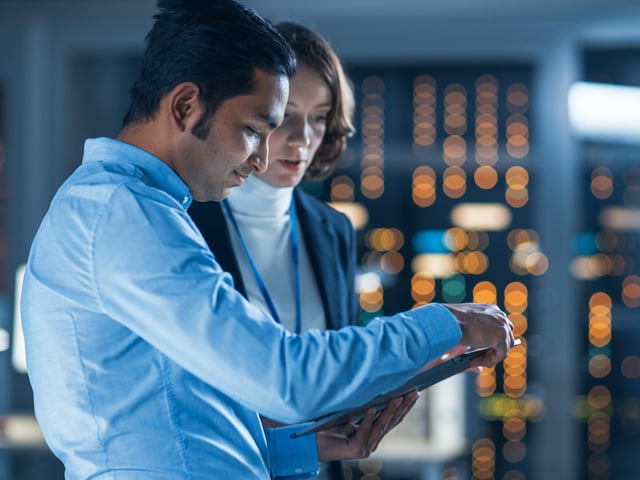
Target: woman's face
{"type": "Point", "coordinates": [294, 143]}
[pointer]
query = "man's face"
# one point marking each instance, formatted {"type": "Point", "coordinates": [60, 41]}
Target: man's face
{"type": "Point", "coordinates": [236, 145]}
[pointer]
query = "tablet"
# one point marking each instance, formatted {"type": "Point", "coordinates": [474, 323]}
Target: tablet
{"type": "Point", "coordinates": [418, 382]}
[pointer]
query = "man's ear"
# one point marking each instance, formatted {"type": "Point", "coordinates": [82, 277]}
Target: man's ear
{"type": "Point", "coordinates": [185, 105]}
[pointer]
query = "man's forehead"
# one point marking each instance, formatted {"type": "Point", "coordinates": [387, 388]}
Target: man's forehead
{"type": "Point", "coordinates": [266, 102]}
{"type": "Point", "coordinates": [273, 90]}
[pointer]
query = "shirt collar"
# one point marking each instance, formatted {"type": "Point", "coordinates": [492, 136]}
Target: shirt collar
{"type": "Point", "coordinates": [157, 172]}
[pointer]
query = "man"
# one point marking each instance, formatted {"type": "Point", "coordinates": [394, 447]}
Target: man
{"type": "Point", "coordinates": [144, 361]}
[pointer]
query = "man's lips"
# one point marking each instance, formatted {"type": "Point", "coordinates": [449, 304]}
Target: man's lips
{"type": "Point", "coordinates": [241, 177]}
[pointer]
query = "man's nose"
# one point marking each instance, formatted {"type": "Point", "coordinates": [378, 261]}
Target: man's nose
{"type": "Point", "coordinates": [260, 158]}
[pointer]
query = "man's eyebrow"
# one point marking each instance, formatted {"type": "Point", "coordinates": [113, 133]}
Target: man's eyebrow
{"type": "Point", "coordinates": [269, 119]}
{"type": "Point", "coordinates": [327, 104]}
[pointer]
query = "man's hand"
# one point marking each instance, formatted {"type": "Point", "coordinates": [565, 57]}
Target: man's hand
{"type": "Point", "coordinates": [454, 352]}
{"type": "Point", "coordinates": [484, 325]}
{"type": "Point", "coordinates": [352, 441]}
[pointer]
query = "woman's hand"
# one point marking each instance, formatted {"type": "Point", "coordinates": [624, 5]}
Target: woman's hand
{"type": "Point", "coordinates": [352, 441]}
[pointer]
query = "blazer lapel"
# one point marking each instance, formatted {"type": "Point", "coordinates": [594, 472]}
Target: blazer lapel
{"type": "Point", "coordinates": [320, 240]}
{"type": "Point", "coordinates": [210, 219]}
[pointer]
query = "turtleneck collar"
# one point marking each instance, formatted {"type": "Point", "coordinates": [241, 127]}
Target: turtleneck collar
{"type": "Point", "coordinates": [256, 197]}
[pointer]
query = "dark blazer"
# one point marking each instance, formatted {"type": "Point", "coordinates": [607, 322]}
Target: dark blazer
{"type": "Point", "coordinates": [330, 241]}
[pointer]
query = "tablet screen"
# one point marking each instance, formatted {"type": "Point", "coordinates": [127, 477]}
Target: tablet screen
{"type": "Point", "coordinates": [418, 382]}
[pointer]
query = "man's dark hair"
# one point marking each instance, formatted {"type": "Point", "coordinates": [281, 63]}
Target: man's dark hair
{"type": "Point", "coordinates": [216, 44]}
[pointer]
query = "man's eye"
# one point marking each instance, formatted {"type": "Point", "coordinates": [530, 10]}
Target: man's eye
{"type": "Point", "coordinates": [254, 132]}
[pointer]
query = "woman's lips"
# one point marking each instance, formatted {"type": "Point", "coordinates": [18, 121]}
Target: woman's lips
{"type": "Point", "coordinates": [291, 164]}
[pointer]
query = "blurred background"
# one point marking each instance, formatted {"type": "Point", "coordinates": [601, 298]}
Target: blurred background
{"type": "Point", "coordinates": [497, 159]}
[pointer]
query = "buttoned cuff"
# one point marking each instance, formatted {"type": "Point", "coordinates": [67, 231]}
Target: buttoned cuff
{"type": "Point", "coordinates": [440, 327]}
{"type": "Point", "coordinates": [292, 458]}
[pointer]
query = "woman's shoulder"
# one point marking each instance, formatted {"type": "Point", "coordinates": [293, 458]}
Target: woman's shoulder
{"type": "Point", "coordinates": [318, 206]}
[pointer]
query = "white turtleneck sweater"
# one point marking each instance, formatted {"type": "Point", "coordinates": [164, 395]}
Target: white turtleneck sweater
{"type": "Point", "coordinates": [263, 217]}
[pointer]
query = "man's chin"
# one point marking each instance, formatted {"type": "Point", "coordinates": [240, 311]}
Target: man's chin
{"type": "Point", "coordinates": [212, 197]}
{"type": "Point", "coordinates": [219, 196]}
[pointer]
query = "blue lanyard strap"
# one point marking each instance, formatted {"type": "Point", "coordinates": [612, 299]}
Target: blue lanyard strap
{"type": "Point", "coordinates": [256, 273]}
{"type": "Point", "coordinates": [295, 255]}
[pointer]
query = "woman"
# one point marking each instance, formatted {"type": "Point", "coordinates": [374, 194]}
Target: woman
{"type": "Point", "coordinates": [288, 252]}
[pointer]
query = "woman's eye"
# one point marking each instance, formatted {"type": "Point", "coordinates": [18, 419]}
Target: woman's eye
{"type": "Point", "coordinates": [254, 132]}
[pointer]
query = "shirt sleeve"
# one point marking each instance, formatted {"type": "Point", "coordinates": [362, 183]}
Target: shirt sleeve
{"type": "Point", "coordinates": [169, 290]}
{"type": "Point", "coordinates": [292, 458]}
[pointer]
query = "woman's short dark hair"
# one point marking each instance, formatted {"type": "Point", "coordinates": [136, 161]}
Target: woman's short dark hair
{"type": "Point", "coordinates": [314, 51]}
{"type": "Point", "coordinates": [216, 44]}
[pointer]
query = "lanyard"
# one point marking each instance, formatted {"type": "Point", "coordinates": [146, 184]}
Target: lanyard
{"type": "Point", "coordinates": [294, 258]}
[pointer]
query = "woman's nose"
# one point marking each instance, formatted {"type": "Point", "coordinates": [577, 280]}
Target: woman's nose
{"type": "Point", "coordinates": [299, 135]}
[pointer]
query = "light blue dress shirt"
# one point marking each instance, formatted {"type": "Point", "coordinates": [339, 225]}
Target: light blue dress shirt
{"type": "Point", "coordinates": [147, 364]}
